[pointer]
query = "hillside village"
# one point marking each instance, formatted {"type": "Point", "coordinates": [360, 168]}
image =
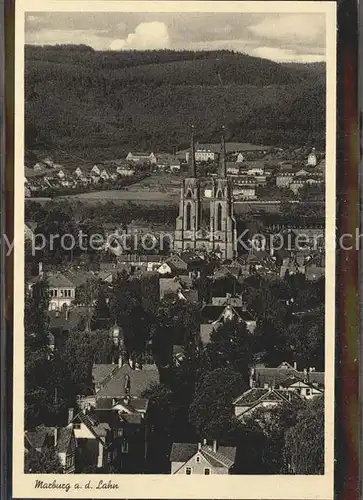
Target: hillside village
{"type": "Point", "coordinates": [258, 172]}
{"type": "Point", "coordinates": [202, 357]}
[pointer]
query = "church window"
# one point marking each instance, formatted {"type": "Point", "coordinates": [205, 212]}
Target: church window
{"type": "Point", "coordinates": [188, 217]}
{"type": "Point", "coordinates": [219, 194]}
{"type": "Point", "coordinates": [189, 193]}
{"type": "Point", "coordinates": [219, 217]}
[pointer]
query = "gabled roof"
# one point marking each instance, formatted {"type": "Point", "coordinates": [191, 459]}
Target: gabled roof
{"type": "Point", "coordinates": [224, 456]}
{"type": "Point", "coordinates": [60, 320]}
{"type": "Point", "coordinates": [140, 380]}
{"type": "Point", "coordinates": [43, 435]}
{"type": "Point", "coordinates": [64, 438]}
{"type": "Point", "coordinates": [256, 395]}
{"type": "Point", "coordinates": [213, 314]}
{"type": "Point", "coordinates": [101, 371]}
{"type": "Point", "coordinates": [58, 280]}
{"type": "Point", "coordinates": [37, 438]}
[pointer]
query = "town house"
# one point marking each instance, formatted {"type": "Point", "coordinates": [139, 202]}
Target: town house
{"type": "Point", "coordinates": [202, 458]}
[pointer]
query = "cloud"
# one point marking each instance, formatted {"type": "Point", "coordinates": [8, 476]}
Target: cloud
{"type": "Point", "coordinates": [152, 35]}
{"type": "Point", "coordinates": [304, 27]}
{"type": "Point", "coordinates": [285, 55]}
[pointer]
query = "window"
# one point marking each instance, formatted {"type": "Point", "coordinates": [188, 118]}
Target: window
{"type": "Point", "coordinates": [124, 446]}
{"type": "Point", "coordinates": [188, 224]}
{"type": "Point", "coordinates": [197, 459]}
{"type": "Point", "coordinates": [308, 392]}
{"type": "Point", "coordinates": [219, 217]}
{"type": "Point", "coordinates": [207, 471]}
{"type": "Point", "coordinates": [188, 471]}
{"type": "Point", "coordinates": [77, 425]}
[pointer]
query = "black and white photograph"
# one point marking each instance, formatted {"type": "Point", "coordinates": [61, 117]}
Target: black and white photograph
{"type": "Point", "coordinates": [178, 180]}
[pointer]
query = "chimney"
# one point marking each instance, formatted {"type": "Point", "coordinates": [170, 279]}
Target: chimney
{"type": "Point", "coordinates": [214, 446]}
{"type": "Point", "coordinates": [55, 436]}
{"type": "Point", "coordinates": [40, 269]}
{"type": "Point", "coordinates": [70, 415]}
{"type": "Point", "coordinates": [295, 365]}
{"type": "Point", "coordinates": [120, 361]}
{"type": "Point", "coordinates": [204, 442]}
{"type": "Point", "coordinates": [305, 375]}
{"type": "Point", "coordinates": [199, 446]}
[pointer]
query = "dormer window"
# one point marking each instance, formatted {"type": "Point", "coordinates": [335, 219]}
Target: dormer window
{"type": "Point", "coordinates": [197, 459]}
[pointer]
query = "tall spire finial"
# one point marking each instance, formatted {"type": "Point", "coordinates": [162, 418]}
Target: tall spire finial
{"type": "Point", "coordinates": [223, 154]}
{"type": "Point", "coordinates": [192, 154]}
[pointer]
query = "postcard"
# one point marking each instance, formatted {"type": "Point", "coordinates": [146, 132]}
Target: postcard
{"type": "Point", "coordinates": [174, 249]}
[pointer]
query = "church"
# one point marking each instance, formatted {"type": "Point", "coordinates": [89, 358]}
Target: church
{"type": "Point", "coordinates": [219, 235]}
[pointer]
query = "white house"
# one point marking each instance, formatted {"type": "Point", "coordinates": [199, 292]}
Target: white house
{"type": "Point", "coordinates": [233, 170]}
{"type": "Point", "coordinates": [125, 171]}
{"type": "Point", "coordinates": [164, 269]}
{"type": "Point", "coordinates": [61, 291]}
{"type": "Point", "coordinates": [255, 171]}
{"type": "Point", "coordinates": [78, 172]}
{"type": "Point", "coordinates": [240, 158]}
{"type": "Point", "coordinates": [104, 175]}
{"type": "Point", "coordinates": [141, 157]}
{"type": "Point", "coordinates": [60, 174]}
{"type": "Point", "coordinates": [202, 155]}
{"type": "Point", "coordinates": [95, 170]}
{"type": "Point", "coordinates": [245, 192]}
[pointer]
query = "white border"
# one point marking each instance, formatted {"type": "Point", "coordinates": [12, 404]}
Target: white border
{"type": "Point", "coordinates": [165, 486]}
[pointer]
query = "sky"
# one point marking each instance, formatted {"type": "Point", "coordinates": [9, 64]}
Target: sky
{"type": "Point", "coordinates": [280, 37]}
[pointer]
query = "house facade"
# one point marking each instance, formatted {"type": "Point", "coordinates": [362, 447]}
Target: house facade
{"type": "Point", "coordinates": [62, 291]}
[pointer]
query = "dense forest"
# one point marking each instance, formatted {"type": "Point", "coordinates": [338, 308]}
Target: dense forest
{"type": "Point", "coordinates": [102, 104]}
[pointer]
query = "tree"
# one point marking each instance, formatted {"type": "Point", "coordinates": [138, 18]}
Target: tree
{"type": "Point", "coordinates": [273, 424]}
{"type": "Point", "coordinates": [102, 347]}
{"type": "Point", "coordinates": [38, 389]}
{"type": "Point", "coordinates": [304, 442]}
{"type": "Point", "coordinates": [211, 411]}
{"type": "Point", "coordinates": [305, 341]}
{"type": "Point", "coordinates": [42, 462]}
{"type": "Point", "coordinates": [231, 346]}
{"type": "Point", "coordinates": [175, 323]}
{"type": "Point", "coordinates": [101, 317]}
{"type": "Point", "coordinates": [77, 356]}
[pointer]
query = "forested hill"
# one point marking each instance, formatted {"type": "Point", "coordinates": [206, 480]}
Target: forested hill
{"type": "Point", "coordinates": [101, 104]}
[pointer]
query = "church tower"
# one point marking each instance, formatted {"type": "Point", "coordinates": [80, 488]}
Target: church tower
{"type": "Point", "coordinates": [189, 219]}
{"type": "Point", "coordinates": [222, 221]}
{"type": "Point", "coordinates": [220, 234]}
